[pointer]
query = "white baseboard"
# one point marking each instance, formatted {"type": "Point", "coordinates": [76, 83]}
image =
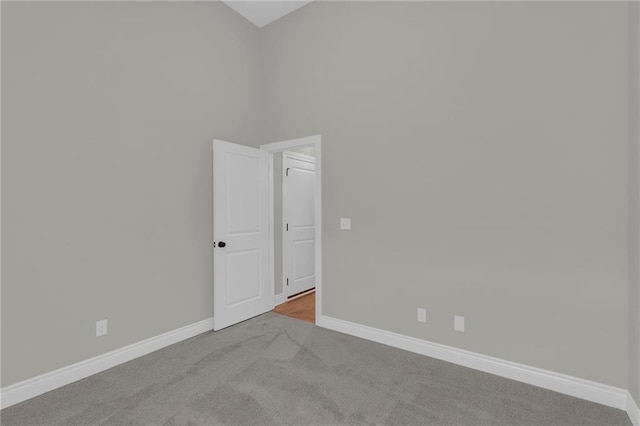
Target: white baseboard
{"type": "Point", "coordinates": [633, 411]}
{"type": "Point", "coordinates": [580, 388]}
{"type": "Point", "coordinates": [35, 386]}
{"type": "Point", "coordinates": [279, 299]}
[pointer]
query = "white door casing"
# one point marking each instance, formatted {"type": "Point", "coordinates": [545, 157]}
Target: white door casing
{"type": "Point", "coordinates": [241, 233]}
{"type": "Point", "coordinates": [298, 213]}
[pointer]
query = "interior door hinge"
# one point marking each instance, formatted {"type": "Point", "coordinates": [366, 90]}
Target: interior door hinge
{"type": "Point", "coordinates": [287, 226]}
{"type": "Point", "coordinates": [287, 171]}
{"type": "Point", "coordinates": [287, 281]}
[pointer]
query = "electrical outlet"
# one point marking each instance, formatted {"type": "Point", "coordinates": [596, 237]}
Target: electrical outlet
{"type": "Point", "coordinates": [422, 315]}
{"type": "Point", "coordinates": [458, 323]}
{"type": "Point", "coordinates": [101, 328]}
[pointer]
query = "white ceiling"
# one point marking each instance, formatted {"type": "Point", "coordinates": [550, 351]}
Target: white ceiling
{"type": "Point", "coordinates": [263, 12]}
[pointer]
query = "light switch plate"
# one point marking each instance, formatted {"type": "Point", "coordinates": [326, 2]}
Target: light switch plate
{"type": "Point", "coordinates": [345, 223]}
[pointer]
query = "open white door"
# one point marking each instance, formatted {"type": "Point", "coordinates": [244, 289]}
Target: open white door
{"type": "Point", "coordinates": [241, 233]}
{"type": "Point", "coordinates": [299, 222]}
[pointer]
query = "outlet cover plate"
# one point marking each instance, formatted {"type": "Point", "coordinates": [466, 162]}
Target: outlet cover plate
{"type": "Point", "coordinates": [422, 315]}
{"type": "Point", "coordinates": [458, 323]}
{"type": "Point", "coordinates": [101, 328]}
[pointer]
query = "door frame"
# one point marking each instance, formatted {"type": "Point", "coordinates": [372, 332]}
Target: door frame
{"type": "Point", "coordinates": [294, 156]}
{"type": "Point", "coordinates": [316, 142]}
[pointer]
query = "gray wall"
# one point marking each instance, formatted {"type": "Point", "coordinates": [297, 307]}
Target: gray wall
{"type": "Point", "coordinates": [634, 201]}
{"type": "Point", "coordinates": [108, 114]}
{"type": "Point", "coordinates": [481, 151]}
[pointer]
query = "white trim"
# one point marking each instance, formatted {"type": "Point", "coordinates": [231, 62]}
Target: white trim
{"type": "Point", "coordinates": [272, 260]}
{"type": "Point", "coordinates": [316, 142]}
{"type": "Point", "coordinates": [292, 143]}
{"type": "Point", "coordinates": [299, 156]}
{"type": "Point", "coordinates": [580, 388]}
{"type": "Point", "coordinates": [279, 299]}
{"type": "Point", "coordinates": [318, 157]}
{"type": "Point", "coordinates": [38, 385]}
{"type": "Point", "coordinates": [633, 411]}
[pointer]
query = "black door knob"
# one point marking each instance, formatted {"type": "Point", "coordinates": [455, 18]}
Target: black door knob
{"type": "Point", "coordinates": [222, 244]}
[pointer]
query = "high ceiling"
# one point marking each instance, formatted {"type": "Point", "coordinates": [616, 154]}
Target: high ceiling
{"type": "Point", "coordinates": [263, 12]}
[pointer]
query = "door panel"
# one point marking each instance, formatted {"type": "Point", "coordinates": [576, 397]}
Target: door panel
{"type": "Point", "coordinates": [303, 259]}
{"type": "Point", "coordinates": [303, 205]}
{"type": "Point", "coordinates": [243, 191]}
{"type": "Point", "coordinates": [299, 217]}
{"type": "Point", "coordinates": [243, 280]}
{"type": "Point", "coordinates": [240, 230]}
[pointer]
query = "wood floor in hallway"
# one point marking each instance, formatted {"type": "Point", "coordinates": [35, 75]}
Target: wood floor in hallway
{"type": "Point", "coordinates": [302, 308]}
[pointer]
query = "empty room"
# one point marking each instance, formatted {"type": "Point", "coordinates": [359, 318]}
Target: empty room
{"type": "Point", "coordinates": [320, 212]}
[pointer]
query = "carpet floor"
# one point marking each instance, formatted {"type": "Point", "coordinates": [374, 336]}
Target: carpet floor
{"type": "Point", "coordinates": [274, 370]}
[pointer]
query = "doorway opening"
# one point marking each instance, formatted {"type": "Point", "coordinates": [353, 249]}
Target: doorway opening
{"type": "Point", "coordinates": [301, 307]}
{"type": "Point", "coordinates": [295, 231]}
